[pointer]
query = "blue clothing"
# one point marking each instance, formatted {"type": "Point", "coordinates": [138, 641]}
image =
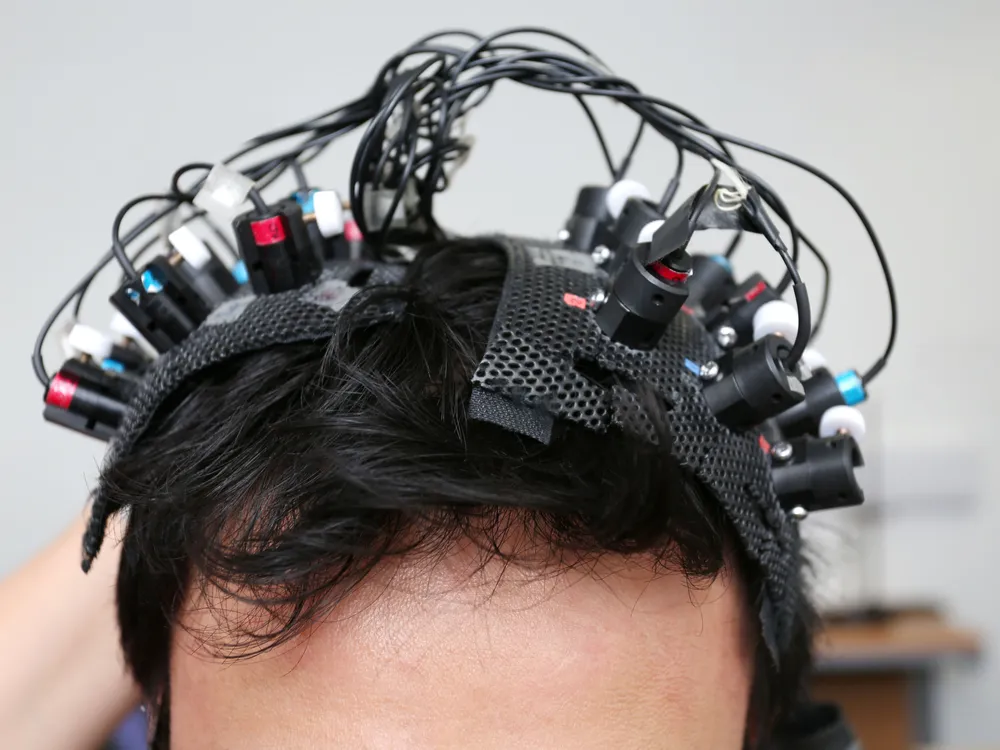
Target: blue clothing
{"type": "Point", "coordinates": [131, 735]}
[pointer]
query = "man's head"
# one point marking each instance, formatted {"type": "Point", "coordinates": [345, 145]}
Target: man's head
{"type": "Point", "coordinates": [325, 551]}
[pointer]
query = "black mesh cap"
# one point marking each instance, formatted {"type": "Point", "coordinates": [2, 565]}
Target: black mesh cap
{"type": "Point", "coordinates": [546, 359]}
{"type": "Point", "coordinates": [241, 325]}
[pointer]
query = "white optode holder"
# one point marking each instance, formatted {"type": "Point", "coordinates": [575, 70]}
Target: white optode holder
{"type": "Point", "coordinates": [83, 339]}
{"type": "Point", "coordinates": [647, 232]}
{"type": "Point", "coordinates": [121, 326]}
{"type": "Point", "coordinates": [813, 359]}
{"type": "Point", "coordinates": [842, 419]}
{"type": "Point", "coordinates": [190, 247]}
{"type": "Point", "coordinates": [329, 211]}
{"type": "Point", "coordinates": [776, 317]}
{"type": "Point", "coordinates": [621, 192]}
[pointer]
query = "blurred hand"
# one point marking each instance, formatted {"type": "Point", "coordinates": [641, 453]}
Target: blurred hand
{"type": "Point", "coordinates": [63, 684]}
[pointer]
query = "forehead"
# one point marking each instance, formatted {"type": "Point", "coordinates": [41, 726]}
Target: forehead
{"type": "Point", "coordinates": [439, 656]}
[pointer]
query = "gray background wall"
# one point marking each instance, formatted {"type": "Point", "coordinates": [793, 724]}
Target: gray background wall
{"type": "Point", "coordinates": [899, 101]}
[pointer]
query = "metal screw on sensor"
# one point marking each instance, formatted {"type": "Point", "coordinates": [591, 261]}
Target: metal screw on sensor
{"type": "Point", "coordinates": [709, 371]}
{"type": "Point", "coordinates": [597, 299]}
{"type": "Point", "coordinates": [601, 255]}
{"type": "Point", "coordinates": [782, 451]}
{"type": "Point", "coordinates": [726, 336]}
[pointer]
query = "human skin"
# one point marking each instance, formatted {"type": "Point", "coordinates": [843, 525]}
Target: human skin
{"type": "Point", "coordinates": [63, 682]}
{"type": "Point", "coordinates": [442, 655]}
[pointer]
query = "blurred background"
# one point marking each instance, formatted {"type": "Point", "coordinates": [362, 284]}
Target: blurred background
{"type": "Point", "coordinates": [900, 101]}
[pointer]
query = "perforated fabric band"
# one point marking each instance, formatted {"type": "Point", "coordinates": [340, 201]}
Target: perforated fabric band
{"type": "Point", "coordinates": [547, 356]}
{"type": "Point", "coordinates": [546, 360]}
{"type": "Point", "coordinates": [241, 325]}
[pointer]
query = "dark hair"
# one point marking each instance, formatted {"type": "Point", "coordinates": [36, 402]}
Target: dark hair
{"type": "Point", "coordinates": [287, 475]}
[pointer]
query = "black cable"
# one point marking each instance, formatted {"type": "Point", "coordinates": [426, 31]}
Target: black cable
{"type": "Point", "coordinates": [615, 173]}
{"type": "Point", "coordinates": [757, 212]}
{"type": "Point", "coordinates": [600, 138]}
{"type": "Point", "coordinates": [473, 52]}
{"type": "Point", "coordinates": [804, 332]}
{"type": "Point", "coordinates": [300, 176]}
{"type": "Point", "coordinates": [117, 246]}
{"type": "Point", "coordinates": [821, 315]}
{"type": "Point", "coordinates": [175, 187]}
{"type": "Point", "coordinates": [630, 154]}
{"type": "Point", "coordinates": [771, 198]}
{"type": "Point", "coordinates": [675, 182]}
{"type": "Point", "coordinates": [391, 150]}
{"type": "Point", "coordinates": [734, 244]}
{"type": "Point", "coordinates": [548, 56]}
{"type": "Point", "coordinates": [880, 363]}
{"type": "Point", "coordinates": [433, 84]}
{"type": "Point", "coordinates": [445, 33]}
{"type": "Point", "coordinates": [37, 359]}
{"type": "Point", "coordinates": [375, 126]}
{"type": "Point", "coordinates": [176, 202]}
{"type": "Point", "coordinates": [484, 41]}
{"type": "Point", "coordinates": [199, 214]}
{"type": "Point", "coordinates": [259, 204]}
{"type": "Point", "coordinates": [668, 126]}
{"type": "Point", "coordinates": [117, 251]}
{"type": "Point", "coordinates": [469, 57]}
{"type": "Point", "coordinates": [431, 184]}
{"type": "Point", "coordinates": [398, 196]}
{"type": "Point", "coordinates": [707, 194]}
